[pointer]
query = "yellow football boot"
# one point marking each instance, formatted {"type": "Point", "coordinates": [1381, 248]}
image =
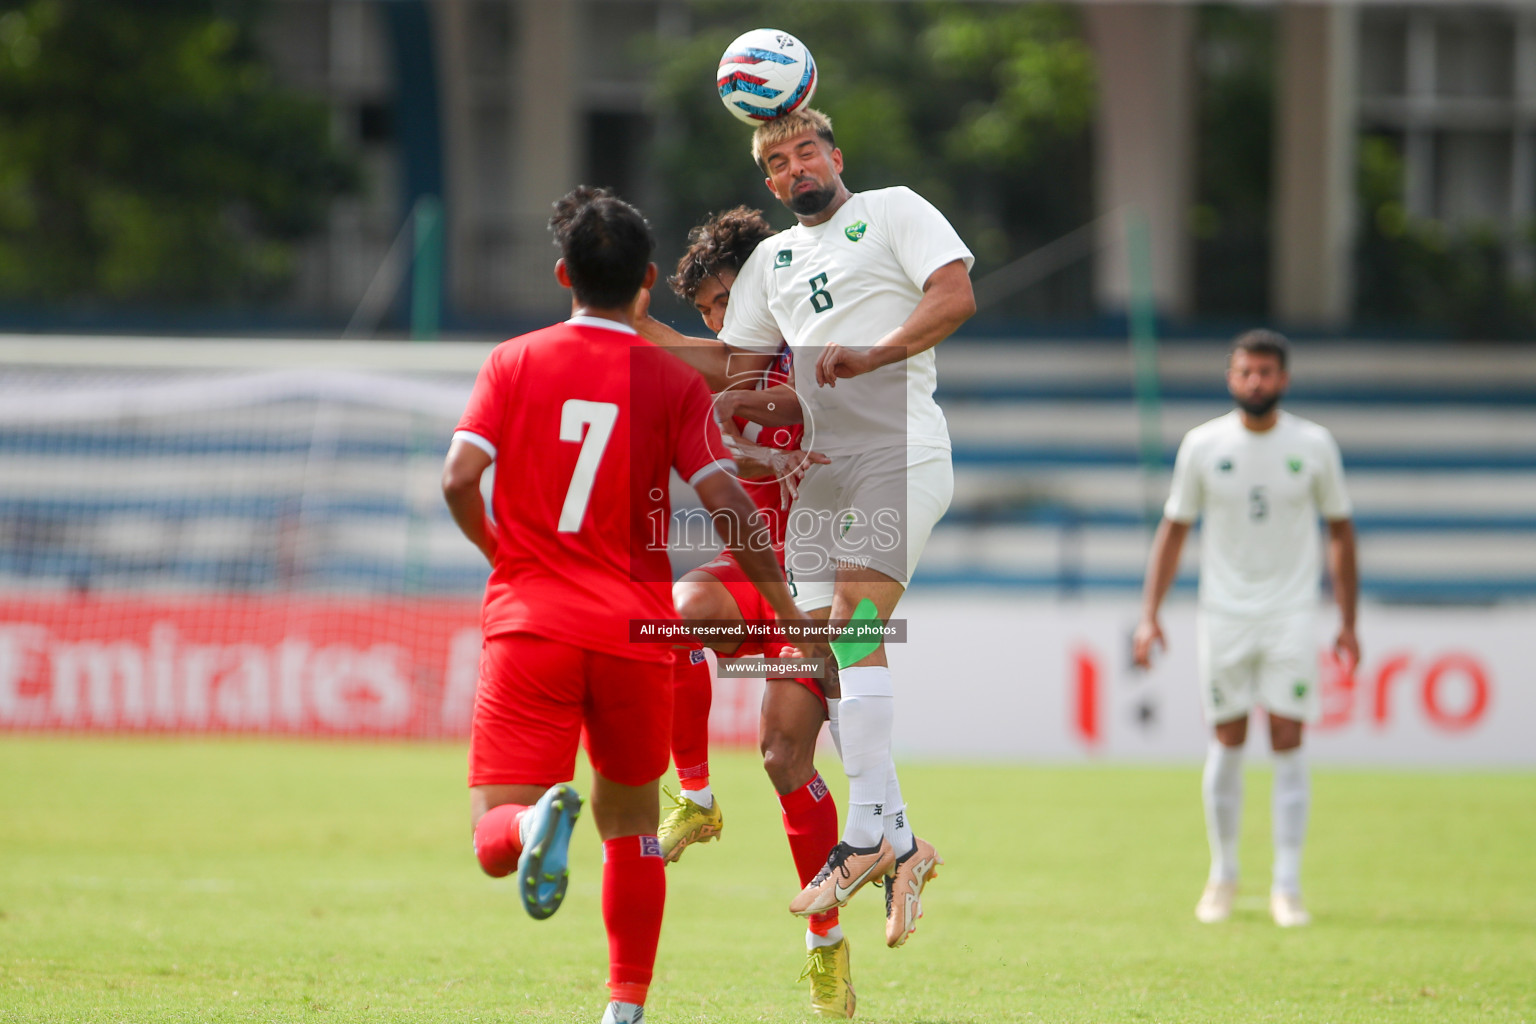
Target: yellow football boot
{"type": "Point", "coordinates": [831, 980]}
{"type": "Point", "coordinates": [687, 823]}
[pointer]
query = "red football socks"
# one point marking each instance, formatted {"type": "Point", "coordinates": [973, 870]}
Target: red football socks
{"type": "Point", "coordinates": [692, 693]}
{"type": "Point", "coordinates": [634, 894]}
{"type": "Point", "coordinates": [810, 822]}
{"type": "Point", "coordinates": [497, 843]}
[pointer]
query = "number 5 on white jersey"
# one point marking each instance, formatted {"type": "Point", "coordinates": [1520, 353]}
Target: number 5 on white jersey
{"type": "Point", "coordinates": [576, 414]}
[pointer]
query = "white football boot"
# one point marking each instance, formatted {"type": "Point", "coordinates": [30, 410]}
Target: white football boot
{"type": "Point", "coordinates": [1216, 902]}
{"type": "Point", "coordinates": [1288, 910]}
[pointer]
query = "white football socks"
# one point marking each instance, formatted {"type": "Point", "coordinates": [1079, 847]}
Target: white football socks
{"type": "Point", "coordinates": [1222, 787]}
{"type": "Point", "coordinates": [833, 937]}
{"type": "Point", "coordinates": [703, 796]}
{"type": "Point", "coordinates": [864, 825]}
{"type": "Point", "coordinates": [833, 726]}
{"type": "Point", "coordinates": [623, 1013]}
{"type": "Point", "coordinates": [1291, 801]}
{"type": "Point", "coordinates": [897, 830]}
{"type": "Point", "coordinates": [866, 714]}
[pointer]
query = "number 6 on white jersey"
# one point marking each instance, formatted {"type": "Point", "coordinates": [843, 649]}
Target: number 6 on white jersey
{"type": "Point", "coordinates": [574, 415]}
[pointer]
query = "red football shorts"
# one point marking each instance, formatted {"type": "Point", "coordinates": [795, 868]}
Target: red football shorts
{"type": "Point", "coordinates": [537, 696]}
{"type": "Point", "coordinates": [810, 683]}
{"type": "Point", "coordinates": [752, 605]}
{"type": "Point", "coordinates": [749, 602]}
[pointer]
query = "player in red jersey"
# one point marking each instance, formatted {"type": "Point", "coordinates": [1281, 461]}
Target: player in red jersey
{"type": "Point", "coordinates": [586, 421]}
{"type": "Point", "coordinates": [770, 464]}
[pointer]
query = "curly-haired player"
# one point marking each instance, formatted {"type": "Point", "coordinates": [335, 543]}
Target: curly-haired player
{"type": "Point", "coordinates": [793, 710]}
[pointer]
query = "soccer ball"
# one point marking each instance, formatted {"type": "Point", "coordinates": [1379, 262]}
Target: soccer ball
{"type": "Point", "coordinates": [766, 74]}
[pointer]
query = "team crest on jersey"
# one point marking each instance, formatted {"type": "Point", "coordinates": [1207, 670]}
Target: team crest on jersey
{"type": "Point", "coordinates": [1294, 463]}
{"type": "Point", "coordinates": [650, 846]}
{"type": "Point", "coordinates": [855, 231]}
{"type": "Point", "coordinates": [784, 258]}
{"type": "Point", "coordinates": [1225, 465]}
{"type": "Point", "coordinates": [1301, 689]}
{"type": "Point", "coordinates": [696, 656]}
{"type": "Point", "coordinates": [847, 522]}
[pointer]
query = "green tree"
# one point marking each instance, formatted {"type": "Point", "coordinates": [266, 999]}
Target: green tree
{"type": "Point", "coordinates": [1426, 274]}
{"type": "Point", "coordinates": [1235, 52]}
{"type": "Point", "coordinates": [980, 107]}
{"type": "Point", "coordinates": [147, 156]}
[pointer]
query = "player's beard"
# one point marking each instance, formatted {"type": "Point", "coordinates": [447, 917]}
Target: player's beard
{"type": "Point", "coordinates": [1259, 406]}
{"type": "Point", "coordinates": [812, 201]}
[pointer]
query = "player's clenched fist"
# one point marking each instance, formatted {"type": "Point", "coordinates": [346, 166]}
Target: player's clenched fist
{"type": "Point", "coordinates": [837, 361]}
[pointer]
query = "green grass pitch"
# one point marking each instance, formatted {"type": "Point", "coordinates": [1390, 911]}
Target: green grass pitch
{"type": "Point", "coordinates": [155, 880]}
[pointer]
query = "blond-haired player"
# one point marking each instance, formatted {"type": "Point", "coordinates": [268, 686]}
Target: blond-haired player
{"type": "Point", "coordinates": [862, 288]}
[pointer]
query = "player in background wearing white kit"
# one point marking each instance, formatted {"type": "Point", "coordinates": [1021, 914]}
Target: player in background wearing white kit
{"type": "Point", "coordinates": [1260, 478]}
{"type": "Point", "coordinates": [862, 288]}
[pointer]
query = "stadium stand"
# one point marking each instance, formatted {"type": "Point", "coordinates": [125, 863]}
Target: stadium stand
{"type": "Point", "coordinates": [1439, 445]}
{"type": "Point", "coordinates": [219, 467]}
{"type": "Point", "coordinates": [135, 465]}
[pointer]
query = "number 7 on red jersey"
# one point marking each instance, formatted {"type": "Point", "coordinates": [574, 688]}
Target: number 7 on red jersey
{"type": "Point", "coordinates": [590, 424]}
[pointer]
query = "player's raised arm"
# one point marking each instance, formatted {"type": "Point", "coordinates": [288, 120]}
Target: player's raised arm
{"type": "Point", "coordinates": [778, 406]}
{"type": "Point", "coordinates": [947, 302]}
{"type": "Point", "coordinates": [717, 250]}
{"type": "Point", "coordinates": [719, 364]}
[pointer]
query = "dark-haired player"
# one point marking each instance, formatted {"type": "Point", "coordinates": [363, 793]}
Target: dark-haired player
{"type": "Point", "coordinates": [721, 590]}
{"type": "Point", "coordinates": [586, 421]}
{"type": "Point", "coordinates": [1259, 478]}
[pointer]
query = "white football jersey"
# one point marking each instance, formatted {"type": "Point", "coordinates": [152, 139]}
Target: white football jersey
{"type": "Point", "coordinates": [850, 281]}
{"type": "Point", "coordinates": [1259, 496]}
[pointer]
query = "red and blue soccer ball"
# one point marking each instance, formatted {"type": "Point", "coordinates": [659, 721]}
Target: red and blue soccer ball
{"type": "Point", "coordinates": [766, 74]}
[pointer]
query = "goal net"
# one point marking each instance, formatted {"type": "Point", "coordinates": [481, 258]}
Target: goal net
{"type": "Point", "coordinates": [233, 536]}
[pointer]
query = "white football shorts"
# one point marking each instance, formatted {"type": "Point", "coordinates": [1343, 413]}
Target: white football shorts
{"type": "Point", "coordinates": [872, 510]}
{"type": "Point", "coordinates": [1270, 661]}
